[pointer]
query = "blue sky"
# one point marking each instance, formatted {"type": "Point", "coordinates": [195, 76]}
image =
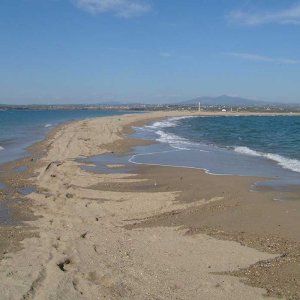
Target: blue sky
{"type": "Point", "coordinates": [88, 51]}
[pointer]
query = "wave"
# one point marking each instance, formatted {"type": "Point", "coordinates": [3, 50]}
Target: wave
{"type": "Point", "coordinates": [171, 122]}
{"type": "Point", "coordinates": [173, 140]}
{"type": "Point", "coordinates": [284, 162]}
{"type": "Point", "coordinates": [48, 125]}
{"type": "Point", "coordinates": [1, 148]}
{"type": "Point", "coordinates": [181, 143]}
{"type": "Point", "coordinates": [246, 150]}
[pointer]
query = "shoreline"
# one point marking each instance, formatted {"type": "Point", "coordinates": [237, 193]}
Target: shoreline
{"type": "Point", "coordinates": [73, 203]}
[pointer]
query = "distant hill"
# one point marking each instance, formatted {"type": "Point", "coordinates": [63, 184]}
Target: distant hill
{"type": "Point", "coordinates": [224, 100]}
{"type": "Point", "coordinates": [117, 103]}
{"type": "Point", "coordinates": [112, 103]}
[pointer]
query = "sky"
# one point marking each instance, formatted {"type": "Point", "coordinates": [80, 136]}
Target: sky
{"type": "Point", "coordinates": [153, 51]}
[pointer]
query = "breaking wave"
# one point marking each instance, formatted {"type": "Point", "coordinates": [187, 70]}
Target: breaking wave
{"type": "Point", "coordinates": [171, 122]}
{"type": "Point", "coordinates": [173, 140]}
{"type": "Point", "coordinates": [286, 163]}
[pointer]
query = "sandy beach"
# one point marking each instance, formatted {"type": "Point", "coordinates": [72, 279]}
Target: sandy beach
{"type": "Point", "coordinates": [157, 233]}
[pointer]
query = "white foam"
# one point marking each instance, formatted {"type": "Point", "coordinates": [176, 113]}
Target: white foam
{"type": "Point", "coordinates": [1, 148]}
{"type": "Point", "coordinates": [246, 150]}
{"type": "Point", "coordinates": [48, 125]}
{"type": "Point", "coordinates": [171, 122]}
{"type": "Point", "coordinates": [161, 124]}
{"type": "Point", "coordinates": [286, 163]}
{"type": "Point", "coordinates": [173, 140]}
{"type": "Point", "coordinates": [168, 138]}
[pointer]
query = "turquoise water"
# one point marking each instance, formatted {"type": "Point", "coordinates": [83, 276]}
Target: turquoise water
{"type": "Point", "coordinates": [20, 129]}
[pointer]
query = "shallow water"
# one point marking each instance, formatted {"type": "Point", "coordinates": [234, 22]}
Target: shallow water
{"type": "Point", "coordinates": [2, 186]}
{"type": "Point", "coordinates": [20, 169]}
{"type": "Point", "coordinates": [25, 191]}
{"type": "Point", "coordinates": [5, 214]}
{"type": "Point", "coordinates": [100, 164]}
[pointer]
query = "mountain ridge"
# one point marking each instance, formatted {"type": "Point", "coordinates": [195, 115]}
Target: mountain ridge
{"type": "Point", "coordinates": [225, 100]}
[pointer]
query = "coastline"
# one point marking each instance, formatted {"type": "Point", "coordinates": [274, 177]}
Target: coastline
{"type": "Point", "coordinates": [123, 236]}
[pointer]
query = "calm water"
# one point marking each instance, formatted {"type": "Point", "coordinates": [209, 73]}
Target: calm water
{"type": "Point", "coordinates": [20, 129]}
{"type": "Point", "coordinates": [262, 146]}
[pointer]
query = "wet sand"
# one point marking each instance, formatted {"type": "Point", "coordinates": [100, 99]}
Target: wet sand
{"type": "Point", "coordinates": [253, 219]}
{"type": "Point", "coordinates": [161, 233]}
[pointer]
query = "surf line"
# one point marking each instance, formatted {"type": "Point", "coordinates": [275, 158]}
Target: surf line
{"type": "Point", "coordinates": [131, 160]}
{"type": "Point", "coordinates": [159, 152]}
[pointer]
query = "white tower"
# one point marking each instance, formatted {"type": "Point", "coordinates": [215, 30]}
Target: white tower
{"type": "Point", "coordinates": [199, 106]}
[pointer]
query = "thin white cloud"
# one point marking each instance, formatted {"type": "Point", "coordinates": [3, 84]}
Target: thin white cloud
{"type": "Point", "coordinates": [289, 15]}
{"type": "Point", "coordinates": [256, 57]}
{"type": "Point", "coordinates": [121, 8]}
{"type": "Point", "coordinates": [173, 55]}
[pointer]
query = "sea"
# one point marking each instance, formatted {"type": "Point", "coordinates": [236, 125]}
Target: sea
{"type": "Point", "coordinates": [21, 128]}
{"type": "Point", "coordinates": [260, 146]}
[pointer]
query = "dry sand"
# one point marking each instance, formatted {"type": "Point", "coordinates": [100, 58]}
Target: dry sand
{"type": "Point", "coordinates": [94, 241]}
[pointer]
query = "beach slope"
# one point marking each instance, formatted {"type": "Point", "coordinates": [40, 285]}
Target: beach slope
{"type": "Point", "coordinates": [85, 249]}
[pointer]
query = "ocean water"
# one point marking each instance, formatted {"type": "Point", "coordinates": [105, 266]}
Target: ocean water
{"type": "Point", "coordinates": [262, 146]}
{"type": "Point", "coordinates": [20, 129]}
